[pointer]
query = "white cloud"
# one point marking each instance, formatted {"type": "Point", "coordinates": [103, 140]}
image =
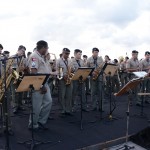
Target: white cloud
{"type": "Point", "coordinates": [115, 27]}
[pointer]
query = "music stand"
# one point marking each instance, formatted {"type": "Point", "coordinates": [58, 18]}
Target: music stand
{"type": "Point", "coordinates": [81, 74]}
{"type": "Point", "coordinates": [128, 89]}
{"type": "Point", "coordinates": [110, 70]}
{"type": "Point", "coordinates": [30, 83]}
{"type": "Point", "coordinates": [141, 74]}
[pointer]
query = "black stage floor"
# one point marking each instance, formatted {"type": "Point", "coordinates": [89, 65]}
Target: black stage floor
{"type": "Point", "coordinates": [66, 135]}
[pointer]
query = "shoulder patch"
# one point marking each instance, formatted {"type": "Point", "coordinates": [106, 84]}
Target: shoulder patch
{"type": "Point", "coordinates": [34, 59]}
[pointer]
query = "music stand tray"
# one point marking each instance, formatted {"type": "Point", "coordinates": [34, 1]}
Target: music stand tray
{"type": "Point", "coordinates": [83, 72]}
{"type": "Point", "coordinates": [37, 80]}
{"type": "Point", "coordinates": [110, 69]}
{"type": "Point", "coordinates": [129, 86]}
{"type": "Point", "coordinates": [81, 75]}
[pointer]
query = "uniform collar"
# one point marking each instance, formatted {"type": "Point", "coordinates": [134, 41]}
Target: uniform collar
{"type": "Point", "coordinates": [38, 53]}
{"type": "Point", "coordinates": [64, 59]}
{"type": "Point", "coordinates": [134, 59]}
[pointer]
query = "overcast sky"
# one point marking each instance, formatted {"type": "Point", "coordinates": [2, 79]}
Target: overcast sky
{"type": "Point", "coordinates": [116, 27]}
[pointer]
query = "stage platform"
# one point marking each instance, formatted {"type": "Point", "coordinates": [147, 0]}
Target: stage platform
{"type": "Point", "coordinates": [65, 133]}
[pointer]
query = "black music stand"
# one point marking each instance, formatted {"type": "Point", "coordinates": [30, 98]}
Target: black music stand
{"type": "Point", "coordinates": [141, 74]}
{"type": "Point", "coordinates": [110, 70]}
{"type": "Point", "coordinates": [81, 74]}
{"type": "Point", "coordinates": [101, 73]}
{"type": "Point", "coordinates": [30, 83]}
{"type": "Point", "coordinates": [128, 89]}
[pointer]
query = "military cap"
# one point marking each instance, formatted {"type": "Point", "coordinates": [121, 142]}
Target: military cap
{"type": "Point", "coordinates": [66, 50]}
{"type": "Point", "coordinates": [95, 49]}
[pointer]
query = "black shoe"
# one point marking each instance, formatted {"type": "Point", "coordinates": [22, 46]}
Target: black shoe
{"type": "Point", "coordinates": [62, 115]}
{"type": "Point", "coordinates": [34, 129]}
{"type": "Point", "coordinates": [85, 110]}
{"type": "Point", "coordinates": [94, 109]}
{"type": "Point", "coordinates": [50, 118]}
{"type": "Point", "coordinates": [88, 93]}
{"type": "Point", "coordinates": [21, 108]}
{"type": "Point", "coordinates": [138, 104]}
{"type": "Point", "coordinates": [68, 114]}
{"type": "Point", "coordinates": [101, 110]}
{"type": "Point", "coordinates": [147, 102]}
{"type": "Point", "coordinates": [15, 110]}
{"type": "Point", "coordinates": [10, 132]}
{"type": "Point", "coordinates": [41, 126]}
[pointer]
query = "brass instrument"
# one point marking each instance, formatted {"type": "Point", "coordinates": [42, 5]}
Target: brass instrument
{"type": "Point", "coordinates": [9, 77]}
{"type": "Point", "coordinates": [60, 74]}
{"type": "Point", "coordinates": [18, 72]}
{"type": "Point", "coordinates": [69, 76]}
{"type": "Point", "coordinates": [97, 71]}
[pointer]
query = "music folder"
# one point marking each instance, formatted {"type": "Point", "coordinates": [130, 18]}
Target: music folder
{"type": "Point", "coordinates": [37, 80]}
{"type": "Point", "coordinates": [84, 72]}
{"type": "Point", "coordinates": [110, 69]}
{"type": "Point", "coordinates": [129, 86]}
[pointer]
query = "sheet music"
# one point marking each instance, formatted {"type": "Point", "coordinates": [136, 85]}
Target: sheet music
{"type": "Point", "coordinates": [140, 74]}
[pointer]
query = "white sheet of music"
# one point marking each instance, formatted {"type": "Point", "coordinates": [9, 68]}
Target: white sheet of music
{"type": "Point", "coordinates": [140, 73]}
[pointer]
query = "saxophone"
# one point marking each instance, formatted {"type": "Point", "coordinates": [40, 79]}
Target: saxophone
{"type": "Point", "coordinates": [69, 76]}
{"type": "Point", "coordinates": [97, 71]}
{"type": "Point", "coordinates": [9, 77]}
{"type": "Point", "coordinates": [18, 73]}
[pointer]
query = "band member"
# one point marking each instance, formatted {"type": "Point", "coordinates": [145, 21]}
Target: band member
{"type": "Point", "coordinates": [96, 85]}
{"type": "Point", "coordinates": [3, 106]}
{"type": "Point", "coordinates": [65, 89]}
{"type": "Point", "coordinates": [116, 79]}
{"type": "Point", "coordinates": [27, 60]}
{"type": "Point", "coordinates": [6, 53]}
{"type": "Point", "coordinates": [78, 62]}
{"type": "Point", "coordinates": [19, 66]}
{"type": "Point", "coordinates": [1, 48]}
{"type": "Point", "coordinates": [145, 66]}
{"type": "Point", "coordinates": [51, 69]}
{"type": "Point", "coordinates": [133, 66]}
{"type": "Point", "coordinates": [123, 72]}
{"type": "Point", "coordinates": [41, 99]}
